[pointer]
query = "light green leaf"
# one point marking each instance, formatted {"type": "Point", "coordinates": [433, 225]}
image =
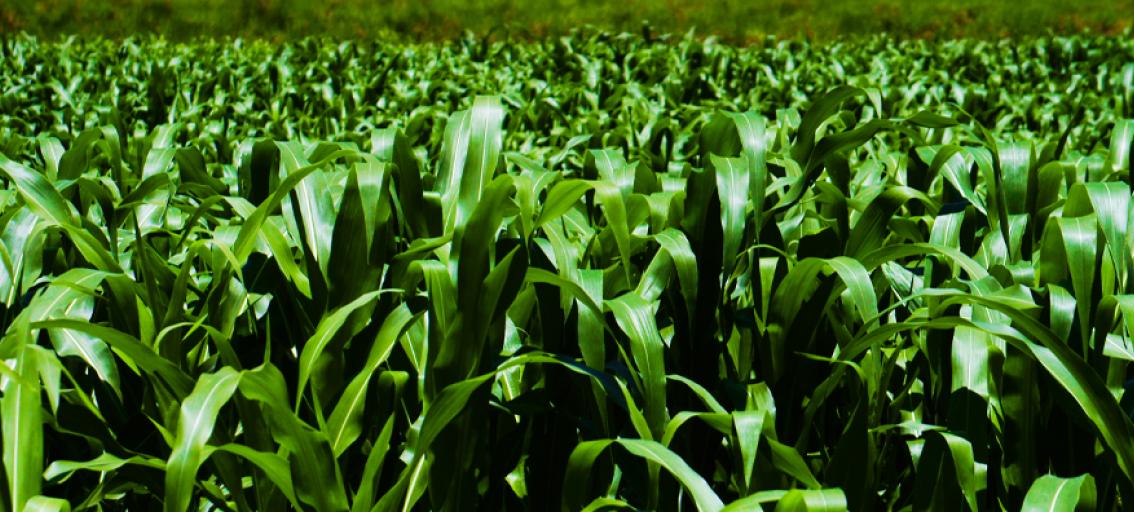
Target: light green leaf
{"type": "Point", "coordinates": [635, 317]}
{"type": "Point", "coordinates": [47, 504]}
{"type": "Point", "coordinates": [1050, 493]}
{"type": "Point", "coordinates": [194, 427]}
{"type": "Point", "coordinates": [22, 420]}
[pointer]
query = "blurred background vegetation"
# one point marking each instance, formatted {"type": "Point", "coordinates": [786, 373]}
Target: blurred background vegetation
{"type": "Point", "coordinates": [733, 20]}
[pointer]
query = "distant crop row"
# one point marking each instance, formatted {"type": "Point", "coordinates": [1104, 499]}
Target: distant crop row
{"type": "Point", "coordinates": [595, 273]}
{"type": "Point", "coordinates": [441, 19]}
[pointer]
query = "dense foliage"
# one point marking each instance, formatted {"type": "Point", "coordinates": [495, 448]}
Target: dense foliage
{"type": "Point", "coordinates": [597, 272]}
{"type": "Point", "coordinates": [443, 19]}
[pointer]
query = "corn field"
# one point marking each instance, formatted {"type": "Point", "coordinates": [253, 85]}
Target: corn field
{"type": "Point", "coordinates": [599, 272]}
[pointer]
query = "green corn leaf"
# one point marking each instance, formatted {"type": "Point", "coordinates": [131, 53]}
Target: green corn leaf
{"type": "Point", "coordinates": [326, 330]}
{"type": "Point", "coordinates": [562, 198]}
{"type": "Point", "coordinates": [312, 202]}
{"type": "Point", "coordinates": [52, 151]}
{"type": "Point", "coordinates": [21, 255]}
{"type": "Point", "coordinates": [1121, 144]}
{"type": "Point", "coordinates": [703, 496]}
{"type": "Point", "coordinates": [71, 297]}
{"type": "Point", "coordinates": [755, 501]}
{"type": "Point", "coordinates": [610, 167]}
{"type": "Point", "coordinates": [635, 317]}
{"type": "Point", "coordinates": [607, 504]}
{"type": "Point", "coordinates": [479, 286]}
{"type": "Point", "coordinates": [742, 134]}
{"type": "Point", "coordinates": [579, 466]}
{"type": "Point", "coordinates": [1050, 492]}
{"type": "Point", "coordinates": [391, 145]}
{"type": "Point", "coordinates": [790, 462]}
{"type": "Point", "coordinates": [351, 270]}
{"type": "Point", "coordinates": [584, 455]}
{"type": "Point", "coordinates": [61, 470]}
{"type": "Point", "coordinates": [822, 109]}
{"type": "Point", "coordinates": [484, 145]}
{"type": "Point", "coordinates": [674, 242]}
{"type": "Point", "coordinates": [344, 425]}
{"type": "Point", "coordinates": [38, 193]}
{"type": "Point", "coordinates": [1111, 205]}
{"type": "Point", "coordinates": [454, 153]}
{"type": "Point", "coordinates": [1080, 243]}
{"type": "Point", "coordinates": [47, 504]}
{"type": "Point", "coordinates": [732, 186]}
{"type": "Point", "coordinates": [614, 210]}
{"type": "Point", "coordinates": [873, 227]}
{"type": "Point", "coordinates": [858, 283]}
{"type": "Point", "coordinates": [275, 467]}
{"type": "Point", "coordinates": [364, 498]}
{"type": "Point", "coordinates": [250, 231]}
{"type": "Point", "coordinates": [826, 500]}
{"type": "Point", "coordinates": [1017, 175]}
{"type": "Point", "coordinates": [195, 425]}
{"type": "Point", "coordinates": [970, 360]}
{"type": "Point", "coordinates": [748, 427]}
{"type": "Point", "coordinates": [133, 351]}
{"type": "Point", "coordinates": [22, 430]}
{"type": "Point", "coordinates": [43, 199]}
{"type": "Point", "coordinates": [961, 452]}
{"type": "Point", "coordinates": [315, 476]}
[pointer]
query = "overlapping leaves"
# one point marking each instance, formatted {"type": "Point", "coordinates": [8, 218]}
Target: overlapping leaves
{"type": "Point", "coordinates": [532, 303]}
